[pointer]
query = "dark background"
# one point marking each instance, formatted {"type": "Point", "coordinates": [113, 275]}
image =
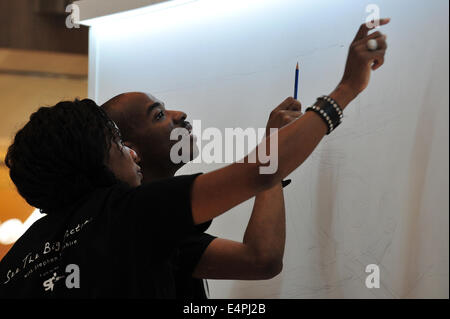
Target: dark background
{"type": "Point", "coordinates": [40, 25]}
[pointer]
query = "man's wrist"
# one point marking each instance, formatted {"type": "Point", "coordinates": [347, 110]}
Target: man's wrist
{"type": "Point", "coordinates": [343, 95]}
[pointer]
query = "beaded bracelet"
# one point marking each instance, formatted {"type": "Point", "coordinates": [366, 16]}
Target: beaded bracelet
{"type": "Point", "coordinates": [334, 104]}
{"type": "Point", "coordinates": [329, 111]}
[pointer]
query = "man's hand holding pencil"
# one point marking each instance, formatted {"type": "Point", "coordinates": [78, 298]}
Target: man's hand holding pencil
{"type": "Point", "coordinates": [289, 110]}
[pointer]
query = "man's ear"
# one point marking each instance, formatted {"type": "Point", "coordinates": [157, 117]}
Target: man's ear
{"type": "Point", "coordinates": [134, 148]}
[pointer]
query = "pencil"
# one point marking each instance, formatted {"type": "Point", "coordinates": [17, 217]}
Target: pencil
{"type": "Point", "coordinates": [296, 82]}
{"type": "Point", "coordinates": [286, 182]}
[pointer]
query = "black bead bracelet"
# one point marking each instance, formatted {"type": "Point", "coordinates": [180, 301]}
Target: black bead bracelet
{"type": "Point", "coordinates": [329, 111]}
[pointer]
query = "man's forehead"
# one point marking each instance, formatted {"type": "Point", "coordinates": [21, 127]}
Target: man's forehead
{"type": "Point", "coordinates": [135, 103]}
{"type": "Point", "coordinates": [154, 99]}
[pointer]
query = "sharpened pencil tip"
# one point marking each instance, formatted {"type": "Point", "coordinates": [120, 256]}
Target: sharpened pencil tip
{"type": "Point", "coordinates": [297, 66]}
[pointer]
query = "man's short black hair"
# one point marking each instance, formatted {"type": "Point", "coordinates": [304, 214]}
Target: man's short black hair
{"type": "Point", "coordinates": [59, 155]}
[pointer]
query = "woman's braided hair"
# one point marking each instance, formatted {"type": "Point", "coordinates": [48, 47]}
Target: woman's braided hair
{"type": "Point", "coordinates": [59, 155]}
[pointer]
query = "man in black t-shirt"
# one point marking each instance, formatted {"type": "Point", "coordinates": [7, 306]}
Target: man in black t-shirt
{"type": "Point", "coordinates": [146, 125]}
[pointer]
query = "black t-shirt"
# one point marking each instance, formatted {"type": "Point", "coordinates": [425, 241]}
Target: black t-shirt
{"type": "Point", "coordinates": [186, 258]}
{"type": "Point", "coordinates": [115, 242]}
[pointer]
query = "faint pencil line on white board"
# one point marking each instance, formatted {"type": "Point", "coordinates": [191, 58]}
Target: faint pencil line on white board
{"type": "Point", "coordinates": [217, 80]}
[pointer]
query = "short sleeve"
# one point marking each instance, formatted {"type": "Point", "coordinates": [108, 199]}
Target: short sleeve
{"type": "Point", "coordinates": [201, 228]}
{"type": "Point", "coordinates": [189, 253]}
{"type": "Point", "coordinates": [191, 250]}
{"type": "Point", "coordinates": [157, 214]}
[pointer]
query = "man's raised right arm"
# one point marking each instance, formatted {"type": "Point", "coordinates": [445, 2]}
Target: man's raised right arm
{"type": "Point", "coordinates": [215, 193]}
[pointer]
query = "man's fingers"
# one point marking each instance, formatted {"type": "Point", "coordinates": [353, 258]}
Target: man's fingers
{"type": "Point", "coordinates": [376, 35]}
{"type": "Point", "coordinates": [283, 105]}
{"type": "Point", "coordinates": [291, 113]}
{"type": "Point", "coordinates": [362, 32]}
{"type": "Point", "coordinates": [375, 58]}
{"type": "Point", "coordinates": [288, 103]}
{"type": "Point", "coordinates": [364, 29]}
{"type": "Point", "coordinates": [378, 61]}
{"type": "Point", "coordinates": [380, 38]}
{"type": "Point", "coordinates": [288, 116]}
{"type": "Point", "coordinates": [384, 21]}
{"type": "Point", "coordinates": [296, 106]}
{"type": "Point", "coordinates": [381, 43]}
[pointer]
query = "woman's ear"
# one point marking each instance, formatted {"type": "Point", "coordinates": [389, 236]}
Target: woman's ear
{"type": "Point", "coordinates": [134, 148]}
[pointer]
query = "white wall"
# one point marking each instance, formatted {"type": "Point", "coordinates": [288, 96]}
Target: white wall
{"type": "Point", "coordinates": [375, 191]}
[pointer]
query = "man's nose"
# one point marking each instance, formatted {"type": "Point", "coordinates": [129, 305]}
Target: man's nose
{"type": "Point", "coordinates": [134, 156]}
{"type": "Point", "coordinates": [178, 116]}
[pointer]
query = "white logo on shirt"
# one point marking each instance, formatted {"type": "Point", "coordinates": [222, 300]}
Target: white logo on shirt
{"type": "Point", "coordinates": [72, 280]}
{"type": "Point", "coordinates": [50, 283]}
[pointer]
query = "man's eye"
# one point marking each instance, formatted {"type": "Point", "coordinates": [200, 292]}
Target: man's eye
{"type": "Point", "coordinates": [159, 115]}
